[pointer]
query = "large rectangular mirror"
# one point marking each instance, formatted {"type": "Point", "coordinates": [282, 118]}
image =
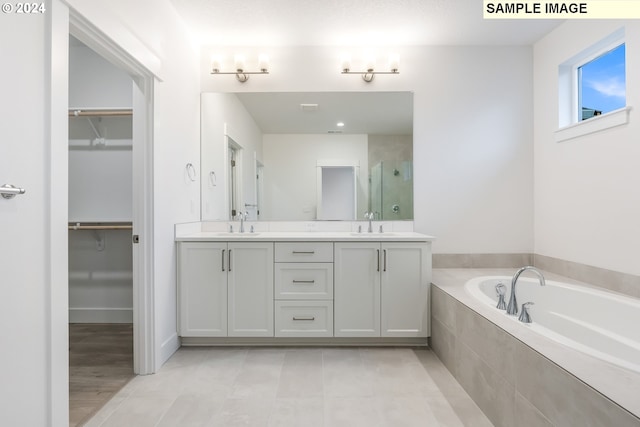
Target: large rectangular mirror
{"type": "Point", "coordinates": [265, 153]}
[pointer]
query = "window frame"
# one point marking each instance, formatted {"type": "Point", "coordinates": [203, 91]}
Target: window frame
{"type": "Point", "coordinates": [570, 124]}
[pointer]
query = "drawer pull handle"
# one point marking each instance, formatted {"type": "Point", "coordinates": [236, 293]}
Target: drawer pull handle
{"type": "Point", "coordinates": [304, 252]}
{"type": "Point", "coordinates": [310, 318]}
{"type": "Point", "coordinates": [303, 281]}
{"type": "Point", "coordinates": [223, 259]}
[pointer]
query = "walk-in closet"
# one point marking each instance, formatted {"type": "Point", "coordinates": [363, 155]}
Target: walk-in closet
{"type": "Point", "coordinates": [100, 231]}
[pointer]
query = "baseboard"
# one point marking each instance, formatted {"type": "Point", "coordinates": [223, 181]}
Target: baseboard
{"type": "Point", "coordinates": [100, 315]}
{"type": "Point", "coordinates": [307, 342]}
{"type": "Point", "coordinates": [166, 350]}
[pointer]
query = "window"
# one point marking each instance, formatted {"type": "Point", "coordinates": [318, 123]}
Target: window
{"type": "Point", "coordinates": [601, 84]}
{"type": "Point", "coordinates": [592, 89]}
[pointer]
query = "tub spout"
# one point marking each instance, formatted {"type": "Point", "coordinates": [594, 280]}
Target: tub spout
{"type": "Point", "coordinates": [512, 308]}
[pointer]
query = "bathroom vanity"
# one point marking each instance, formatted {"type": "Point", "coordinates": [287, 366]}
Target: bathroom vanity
{"type": "Point", "coordinates": [287, 287]}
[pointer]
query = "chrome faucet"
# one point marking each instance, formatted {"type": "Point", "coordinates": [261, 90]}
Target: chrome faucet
{"type": "Point", "coordinates": [242, 216]}
{"type": "Point", "coordinates": [512, 308]}
{"type": "Point", "coordinates": [501, 290]}
{"type": "Point", "coordinates": [525, 317]}
{"type": "Point", "coordinates": [369, 216]}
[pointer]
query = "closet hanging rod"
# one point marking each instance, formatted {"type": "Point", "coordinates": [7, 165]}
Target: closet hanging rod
{"type": "Point", "coordinates": [77, 112]}
{"type": "Point", "coordinates": [100, 226]}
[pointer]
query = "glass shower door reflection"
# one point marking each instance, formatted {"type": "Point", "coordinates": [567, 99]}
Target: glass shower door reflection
{"type": "Point", "coordinates": [375, 190]}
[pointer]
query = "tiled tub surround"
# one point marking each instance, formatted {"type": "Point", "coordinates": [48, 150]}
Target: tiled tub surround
{"type": "Point", "coordinates": [624, 283]}
{"type": "Point", "coordinates": [518, 377]}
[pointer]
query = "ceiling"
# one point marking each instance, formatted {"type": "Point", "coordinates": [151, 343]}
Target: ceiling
{"type": "Point", "coordinates": [385, 113]}
{"type": "Point", "coordinates": [353, 23]}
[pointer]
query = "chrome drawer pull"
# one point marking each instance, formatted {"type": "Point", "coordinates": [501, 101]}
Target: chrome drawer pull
{"type": "Point", "coordinates": [304, 252]}
{"type": "Point", "coordinates": [304, 318]}
{"type": "Point", "coordinates": [303, 281]}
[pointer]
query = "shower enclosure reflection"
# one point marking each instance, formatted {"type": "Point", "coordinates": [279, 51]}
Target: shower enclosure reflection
{"type": "Point", "coordinates": [391, 177]}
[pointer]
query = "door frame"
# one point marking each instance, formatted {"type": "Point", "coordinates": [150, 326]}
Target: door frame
{"type": "Point", "coordinates": [143, 256]}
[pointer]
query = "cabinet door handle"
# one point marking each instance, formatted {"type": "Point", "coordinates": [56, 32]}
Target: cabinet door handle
{"type": "Point", "coordinates": [300, 318]}
{"type": "Point", "coordinates": [223, 259]}
{"type": "Point", "coordinates": [384, 268]}
{"type": "Point", "coordinates": [303, 281]}
{"type": "Point", "coordinates": [229, 259]}
{"type": "Point", "coordinates": [378, 257]}
{"type": "Point", "coordinates": [304, 252]}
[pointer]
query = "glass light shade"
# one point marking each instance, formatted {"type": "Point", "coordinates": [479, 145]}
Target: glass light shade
{"type": "Point", "coordinates": [263, 62]}
{"type": "Point", "coordinates": [394, 62]}
{"type": "Point", "coordinates": [238, 61]}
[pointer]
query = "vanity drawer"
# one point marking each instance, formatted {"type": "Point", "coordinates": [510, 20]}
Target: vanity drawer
{"type": "Point", "coordinates": [304, 318]}
{"type": "Point", "coordinates": [304, 252]}
{"type": "Point", "coordinates": [299, 280]}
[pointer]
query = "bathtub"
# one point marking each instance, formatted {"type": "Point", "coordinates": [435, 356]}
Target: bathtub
{"type": "Point", "coordinates": [598, 323]}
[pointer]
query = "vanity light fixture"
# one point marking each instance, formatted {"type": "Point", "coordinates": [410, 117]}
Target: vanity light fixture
{"type": "Point", "coordinates": [369, 73]}
{"type": "Point", "coordinates": [239, 64]}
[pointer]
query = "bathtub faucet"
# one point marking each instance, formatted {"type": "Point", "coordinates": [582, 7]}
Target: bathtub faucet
{"type": "Point", "coordinates": [512, 308]}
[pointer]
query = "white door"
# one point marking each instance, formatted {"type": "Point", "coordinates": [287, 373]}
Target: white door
{"type": "Point", "coordinates": [250, 289]}
{"type": "Point", "coordinates": [202, 289]}
{"type": "Point", "coordinates": [33, 259]}
{"type": "Point", "coordinates": [357, 289]}
{"type": "Point", "coordinates": [405, 289]}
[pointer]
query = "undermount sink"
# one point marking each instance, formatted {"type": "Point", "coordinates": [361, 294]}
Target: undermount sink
{"type": "Point", "coordinates": [364, 234]}
{"type": "Point", "coordinates": [236, 234]}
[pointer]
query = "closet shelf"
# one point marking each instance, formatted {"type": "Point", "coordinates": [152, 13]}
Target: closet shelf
{"type": "Point", "coordinates": [79, 112]}
{"type": "Point", "coordinates": [100, 226]}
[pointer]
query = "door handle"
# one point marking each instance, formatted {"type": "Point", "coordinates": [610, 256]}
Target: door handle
{"type": "Point", "coordinates": [9, 191]}
{"type": "Point", "coordinates": [229, 259]}
{"type": "Point", "coordinates": [223, 259]}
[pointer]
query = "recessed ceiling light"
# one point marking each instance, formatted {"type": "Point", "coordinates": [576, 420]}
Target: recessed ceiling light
{"type": "Point", "coordinates": [340, 124]}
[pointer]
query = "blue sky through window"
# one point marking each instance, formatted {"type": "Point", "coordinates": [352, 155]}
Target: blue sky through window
{"type": "Point", "coordinates": [603, 83]}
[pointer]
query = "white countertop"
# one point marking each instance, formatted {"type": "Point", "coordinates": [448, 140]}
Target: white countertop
{"type": "Point", "coordinates": [310, 236]}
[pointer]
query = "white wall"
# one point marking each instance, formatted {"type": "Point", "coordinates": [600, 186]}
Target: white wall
{"type": "Point", "coordinates": [290, 163]}
{"type": "Point", "coordinates": [473, 127]}
{"type": "Point", "coordinates": [100, 189]}
{"type": "Point", "coordinates": [587, 202]}
{"type": "Point", "coordinates": [223, 112]}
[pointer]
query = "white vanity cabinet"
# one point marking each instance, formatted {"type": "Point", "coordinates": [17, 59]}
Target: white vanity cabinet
{"type": "Point", "coordinates": [382, 289]}
{"type": "Point", "coordinates": [202, 289]}
{"type": "Point", "coordinates": [298, 288]}
{"type": "Point", "coordinates": [225, 289]}
{"type": "Point", "coordinates": [304, 289]}
{"type": "Point", "coordinates": [250, 289]}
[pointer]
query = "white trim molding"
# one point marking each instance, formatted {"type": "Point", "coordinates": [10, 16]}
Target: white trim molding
{"type": "Point", "coordinates": [595, 124]}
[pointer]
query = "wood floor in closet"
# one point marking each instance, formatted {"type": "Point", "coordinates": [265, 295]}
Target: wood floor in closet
{"type": "Point", "coordinates": [100, 364]}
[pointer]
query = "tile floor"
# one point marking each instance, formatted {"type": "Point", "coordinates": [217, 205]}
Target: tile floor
{"type": "Point", "coordinates": [213, 386]}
